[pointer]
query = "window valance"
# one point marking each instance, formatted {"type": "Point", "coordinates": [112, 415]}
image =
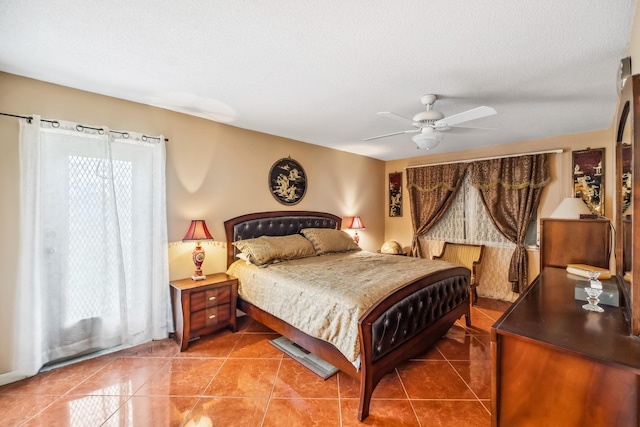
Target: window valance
{"type": "Point", "coordinates": [512, 173]}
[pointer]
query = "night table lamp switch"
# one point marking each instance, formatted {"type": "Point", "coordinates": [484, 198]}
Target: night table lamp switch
{"type": "Point", "coordinates": [204, 306]}
{"type": "Point", "coordinates": [198, 231]}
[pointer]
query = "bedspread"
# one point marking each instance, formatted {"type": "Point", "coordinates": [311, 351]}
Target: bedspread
{"type": "Point", "coordinates": [325, 296]}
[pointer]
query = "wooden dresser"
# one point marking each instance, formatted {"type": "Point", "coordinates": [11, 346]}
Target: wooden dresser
{"type": "Point", "coordinates": [555, 364]}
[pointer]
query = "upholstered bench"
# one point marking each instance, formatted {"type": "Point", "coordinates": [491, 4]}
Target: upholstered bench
{"type": "Point", "coordinates": [469, 256]}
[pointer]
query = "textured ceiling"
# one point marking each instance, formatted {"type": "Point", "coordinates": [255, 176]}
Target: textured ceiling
{"type": "Point", "coordinates": [320, 71]}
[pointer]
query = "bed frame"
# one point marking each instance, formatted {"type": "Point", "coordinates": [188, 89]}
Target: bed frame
{"type": "Point", "coordinates": [402, 325]}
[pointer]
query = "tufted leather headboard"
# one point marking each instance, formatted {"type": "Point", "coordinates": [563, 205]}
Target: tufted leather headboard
{"type": "Point", "coordinates": [276, 223]}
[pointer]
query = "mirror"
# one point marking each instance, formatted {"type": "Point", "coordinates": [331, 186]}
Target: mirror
{"type": "Point", "coordinates": [626, 196]}
{"type": "Point", "coordinates": [627, 137]}
{"type": "Point", "coordinates": [627, 179]}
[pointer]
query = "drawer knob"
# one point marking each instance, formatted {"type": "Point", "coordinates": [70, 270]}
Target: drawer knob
{"type": "Point", "coordinates": [212, 298]}
{"type": "Point", "coordinates": [212, 316]}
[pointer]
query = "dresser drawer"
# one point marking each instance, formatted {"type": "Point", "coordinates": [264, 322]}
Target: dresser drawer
{"type": "Point", "coordinates": [210, 317]}
{"type": "Point", "coordinates": [210, 298]}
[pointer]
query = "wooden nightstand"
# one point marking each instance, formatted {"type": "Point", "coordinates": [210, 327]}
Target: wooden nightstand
{"type": "Point", "coordinates": [204, 306]}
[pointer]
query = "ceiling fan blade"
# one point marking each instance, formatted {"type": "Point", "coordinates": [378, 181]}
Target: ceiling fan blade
{"type": "Point", "coordinates": [394, 116]}
{"type": "Point", "coordinates": [466, 129]}
{"type": "Point", "coordinates": [391, 134]}
{"type": "Point", "coordinates": [476, 113]}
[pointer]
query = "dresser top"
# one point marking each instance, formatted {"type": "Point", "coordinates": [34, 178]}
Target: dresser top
{"type": "Point", "coordinates": [549, 313]}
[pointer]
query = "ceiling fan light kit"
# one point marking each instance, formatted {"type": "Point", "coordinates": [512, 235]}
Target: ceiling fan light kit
{"type": "Point", "coordinates": [431, 123]}
{"type": "Point", "coordinates": [427, 140]}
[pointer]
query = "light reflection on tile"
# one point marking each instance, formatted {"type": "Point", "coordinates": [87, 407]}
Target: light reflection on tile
{"type": "Point", "coordinates": [296, 381]}
{"type": "Point", "coordinates": [447, 413]}
{"type": "Point", "coordinates": [244, 378]}
{"type": "Point", "coordinates": [78, 411]}
{"type": "Point", "coordinates": [302, 412]}
{"type": "Point", "coordinates": [228, 411]}
{"type": "Point", "coordinates": [156, 411]}
{"type": "Point", "coordinates": [240, 379]}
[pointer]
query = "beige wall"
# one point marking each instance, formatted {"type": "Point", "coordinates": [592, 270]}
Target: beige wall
{"type": "Point", "coordinates": [214, 171]}
{"type": "Point", "coordinates": [633, 49]}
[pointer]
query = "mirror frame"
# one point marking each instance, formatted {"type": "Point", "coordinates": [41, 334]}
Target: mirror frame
{"type": "Point", "coordinates": [628, 113]}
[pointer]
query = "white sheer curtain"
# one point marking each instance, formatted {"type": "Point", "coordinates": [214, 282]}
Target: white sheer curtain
{"type": "Point", "coordinates": [93, 270]}
{"type": "Point", "coordinates": [467, 221]}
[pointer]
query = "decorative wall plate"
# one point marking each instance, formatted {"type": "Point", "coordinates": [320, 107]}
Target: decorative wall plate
{"type": "Point", "coordinates": [287, 181]}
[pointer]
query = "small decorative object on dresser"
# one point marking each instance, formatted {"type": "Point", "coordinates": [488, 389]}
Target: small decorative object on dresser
{"type": "Point", "coordinates": [203, 307]}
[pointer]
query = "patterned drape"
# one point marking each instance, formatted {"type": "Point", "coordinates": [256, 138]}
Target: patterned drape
{"type": "Point", "coordinates": [510, 189]}
{"type": "Point", "coordinates": [431, 192]}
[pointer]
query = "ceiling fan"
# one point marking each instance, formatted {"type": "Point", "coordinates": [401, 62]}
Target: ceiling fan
{"type": "Point", "coordinates": [430, 124]}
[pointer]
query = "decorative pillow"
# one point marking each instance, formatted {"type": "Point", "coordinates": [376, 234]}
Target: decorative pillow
{"type": "Point", "coordinates": [267, 249]}
{"type": "Point", "coordinates": [327, 240]}
{"type": "Point", "coordinates": [290, 247]}
{"type": "Point", "coordinates": [257, 250]}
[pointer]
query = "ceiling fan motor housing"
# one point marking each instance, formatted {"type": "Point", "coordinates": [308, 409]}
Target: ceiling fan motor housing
{"type": "Point", "coordinates": [428, 117]}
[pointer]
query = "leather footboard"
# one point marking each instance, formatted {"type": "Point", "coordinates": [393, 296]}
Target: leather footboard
{"type": "Point", "coordinates": [416, 312]}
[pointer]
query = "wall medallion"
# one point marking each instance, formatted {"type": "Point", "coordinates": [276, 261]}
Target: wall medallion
{"type": "Point", "coordinates": [287, 181]}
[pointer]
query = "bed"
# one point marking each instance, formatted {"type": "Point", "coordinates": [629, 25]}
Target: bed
{"type": "Point", "coordinates": [402, 323]}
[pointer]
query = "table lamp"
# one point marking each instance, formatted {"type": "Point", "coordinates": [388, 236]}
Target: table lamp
{"type": "Point", "coordinates": [570, 208]}
{"type": "Point", "coordinates": [198, 231]}
{"type": "Point", "coordinates": [356, 224]}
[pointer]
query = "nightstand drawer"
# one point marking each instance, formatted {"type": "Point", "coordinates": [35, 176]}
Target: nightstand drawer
{"type": "Point", "coordinates": [210, 317]}
{"type": "Point", "coordinates": [210, 298]}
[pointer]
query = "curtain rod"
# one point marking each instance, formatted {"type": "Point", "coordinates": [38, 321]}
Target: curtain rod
{"type": "Point", "coordinates": [55, 123]}
{"type": "Point", "coordinates": [557, 150]}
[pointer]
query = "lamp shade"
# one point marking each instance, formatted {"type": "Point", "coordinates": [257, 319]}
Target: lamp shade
{"type": "Point", "coordinates": [198, 231]}
{"type": "Point", "coordinates": [356, 224]}
{"type": "Point", "coordinates": [570, 208]}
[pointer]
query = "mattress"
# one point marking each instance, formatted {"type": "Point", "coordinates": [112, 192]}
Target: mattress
{"type": "Point", "coordinates": [325, 296]}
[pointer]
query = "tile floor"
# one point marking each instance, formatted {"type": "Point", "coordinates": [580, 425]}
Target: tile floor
{"type": "Point", "coordinates": [240, 379]}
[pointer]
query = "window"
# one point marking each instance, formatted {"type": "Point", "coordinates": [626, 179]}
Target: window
{"type": "Point", "coordinates": [467, 221]}
{"type": "Point", "coordinates": [88, 195]}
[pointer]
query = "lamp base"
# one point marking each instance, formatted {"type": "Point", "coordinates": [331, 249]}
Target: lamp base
{"type": "Point", "coordinates": [198, 258]}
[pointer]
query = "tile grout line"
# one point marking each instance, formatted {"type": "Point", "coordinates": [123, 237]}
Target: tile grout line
{"type": "Point", "coordinates": [226, 359]}
{"type": "Point", "coordinates": [477, 399]}
{"type": "Point", "coordinates": [273, 387]}
{"type": "Point", "coordinates": [66, 393]}
{"type": "Point", "coordinates": [415, 414]}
